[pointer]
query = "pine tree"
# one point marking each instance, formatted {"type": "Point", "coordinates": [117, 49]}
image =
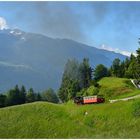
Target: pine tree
{"type": "Point", "coordinates": [137, 67]}
{"type": "Point", "coordinates": [85, 73]}
{"type": "Point", "coordinates": [30, 97]}
{"type": "Point", "coordinates": [38, 97]}
{"type": "Point", "coordinates": [115, 68]}
{"type": "Point", "coordinates": [2, 100]}
{"type": "Point", "coordinates": [75, 77]}
{"type": "Point", "coordinates": [50, 96]}
{"type": "Point", "coordinates": [13, 96]}
{"type": "Point", "coordinates": [70, 80]}
{"type": "Point", "coordinates": [100, 72]}
{"type": "Point", "coordinates": [131, 69]}
{"type": "Point", "coordinates": [23, 94]}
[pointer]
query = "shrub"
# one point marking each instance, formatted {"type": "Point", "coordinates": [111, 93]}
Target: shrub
{"type": "Point", "coordinates": [2, 100]}
{"type": "Point", "coordinates": [94, 83]}
{"type": "Point", "coordinates": [92, 90]}
{"type": "Point", "coordinates": [82, 92]}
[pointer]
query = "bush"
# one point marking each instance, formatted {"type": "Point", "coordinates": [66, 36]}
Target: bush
{"type": "Point", "coordinates": [92, 91]}
{"type": "Point", "coordinates": [81, 92]}
{"type": "Point", "coordinates": [94, 83]}
{"type": "Point", "coordinates": [2, 100]}
{"type": "Point", "coordinates": [136, 109]}
{"type": "Point", "coordinates": [100, 72]}
{"type": "Point", "coordinates": [50, 96]}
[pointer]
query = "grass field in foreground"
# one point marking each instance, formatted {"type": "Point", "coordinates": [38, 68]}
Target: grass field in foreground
{"type": "Point", "coordinates": [46, 120]}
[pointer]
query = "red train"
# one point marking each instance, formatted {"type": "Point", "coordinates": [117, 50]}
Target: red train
{"type": "Point", "coordinates": [89, 99]}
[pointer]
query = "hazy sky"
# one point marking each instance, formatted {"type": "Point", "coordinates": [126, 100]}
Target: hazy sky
{"type": "Point", "coordinates": [114, 24]}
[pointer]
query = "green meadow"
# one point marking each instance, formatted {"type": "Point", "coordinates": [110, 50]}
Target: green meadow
{"type": "Point", "coordinates": [116, 88]}
{"type": "Point", "coordinates": [68, 120]}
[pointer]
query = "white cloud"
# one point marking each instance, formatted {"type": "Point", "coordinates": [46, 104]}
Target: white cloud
{"type": "Point", "coordinates": [15, 65]}
{"type": "Point", "coordinates": [3, 23]}
{"type": "Point", "coordinates": [126, 53]}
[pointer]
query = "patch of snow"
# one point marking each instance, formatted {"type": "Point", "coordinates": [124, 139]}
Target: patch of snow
{"type": "Point", "coordinates": [11, 32]}
{"type": "Point", "coordinates": [3, 23]}
{"type": "Point", "coordinates": [116, 50]}
{"type": "Point", "coordinates": [23, 38]}
{"type": "Point", "coordinates": [18, 33]}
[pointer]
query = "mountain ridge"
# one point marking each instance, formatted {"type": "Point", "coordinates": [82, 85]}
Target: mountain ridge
{"type": "Point", "coordinates": [46, 56]}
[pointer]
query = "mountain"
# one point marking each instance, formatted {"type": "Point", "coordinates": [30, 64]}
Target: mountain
{"type": "Point", "coordinates": [38, 61]}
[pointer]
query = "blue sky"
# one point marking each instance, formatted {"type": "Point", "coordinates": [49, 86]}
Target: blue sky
{"type": "Point", "coordinates": [110, 25]}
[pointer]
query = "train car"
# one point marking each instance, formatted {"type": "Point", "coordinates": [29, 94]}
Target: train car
{"type": "Point", "coordinates": [89, 100]}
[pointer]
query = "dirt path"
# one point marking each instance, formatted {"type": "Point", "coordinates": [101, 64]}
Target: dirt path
{"type": "Point", "coordinates": [125, 99]}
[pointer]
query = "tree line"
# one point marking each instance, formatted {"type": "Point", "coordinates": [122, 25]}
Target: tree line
{"type": "Point", "coordinates": [18, 96]}
{"type": "Point", "coordinates": [130, 68]}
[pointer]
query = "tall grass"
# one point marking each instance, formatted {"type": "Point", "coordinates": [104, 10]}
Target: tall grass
{"type": "Point", "coordinates": [46, 120]}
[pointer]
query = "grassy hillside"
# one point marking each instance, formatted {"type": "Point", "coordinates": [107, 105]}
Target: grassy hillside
{"type": "Point", "coordinates": [112, 88]}
{"type": "Point", "coordinates": [38, 120]}
{"type": "Point", "coordinates": [46, 120]}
